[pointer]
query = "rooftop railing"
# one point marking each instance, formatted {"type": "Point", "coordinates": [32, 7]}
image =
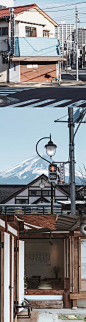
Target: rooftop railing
{"type": "Point", "coordinates": [29, 209]}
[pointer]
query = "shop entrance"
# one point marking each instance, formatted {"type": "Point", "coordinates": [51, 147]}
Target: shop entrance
{"type": "Point", "coordinates": [44, 266]}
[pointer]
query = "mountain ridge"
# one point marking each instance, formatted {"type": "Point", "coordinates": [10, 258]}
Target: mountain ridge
{"type": "Point", "coordinates": [28, 170]}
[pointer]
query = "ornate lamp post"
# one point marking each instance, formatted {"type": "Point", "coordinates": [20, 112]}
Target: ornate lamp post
{"type": "Point", "coordinates": [50, 150]}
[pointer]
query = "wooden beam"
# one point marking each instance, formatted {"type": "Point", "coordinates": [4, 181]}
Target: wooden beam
{"type": "Point", "coordinates": [43, 292]}
{"type": "Point", "coordinates": [38, 58]}
{"type": "Point", "coordinates": [10, 218]}
{"type": "Point", "coordinates": [21, 225]}
{"type": "Point", "coordinates": [77, 296]}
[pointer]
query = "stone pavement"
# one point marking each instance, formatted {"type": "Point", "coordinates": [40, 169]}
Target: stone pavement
{"type": "Point", "coordinates": [51, 315]}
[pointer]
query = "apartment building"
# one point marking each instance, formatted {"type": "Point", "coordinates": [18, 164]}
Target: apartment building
{"type": "Point", "coordinates": [64, 33]}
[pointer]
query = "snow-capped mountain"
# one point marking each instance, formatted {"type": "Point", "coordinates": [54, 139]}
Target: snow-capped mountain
{"type": "Point", "coordinates": [28, 170]}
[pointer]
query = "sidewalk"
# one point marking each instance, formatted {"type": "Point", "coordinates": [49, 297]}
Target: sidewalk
{"type": "Point", "coordinates": [48, 84]}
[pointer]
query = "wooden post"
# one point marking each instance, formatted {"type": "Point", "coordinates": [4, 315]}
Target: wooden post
{"type": "Point", "coordinates": [71, 264]}
{"type": "Point", "coordinates": [10, 272]}
{"type": "Point", "coordinates": [79, 264]}
{"type": "Point", "coordinates": [2, 279]}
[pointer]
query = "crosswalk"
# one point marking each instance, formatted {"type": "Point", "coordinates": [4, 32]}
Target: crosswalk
{"type": "Point", "coordinates": [51, 103]}
{"type": "Point", "coordinates": [37, 100]}
{"type": "Point", "coordinates": [13, 90]}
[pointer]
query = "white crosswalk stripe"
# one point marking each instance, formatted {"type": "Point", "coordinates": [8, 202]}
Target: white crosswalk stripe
{"type": "Point", "coordinates": [21, 104]}
{"type": "Point", "coordinates": [7, 91]}
{"type": "Point", "coordinates": [77, 104]}
{"type": "Point", "coordinates": [62, 102]}
{"type": "Point", "coordinates": [48, 103]}
{"type": "Point", "coordinates": [42, 103]}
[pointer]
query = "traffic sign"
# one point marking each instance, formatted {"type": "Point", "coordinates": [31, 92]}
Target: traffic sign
{"type": "Point", "coordinates": [62, 173]}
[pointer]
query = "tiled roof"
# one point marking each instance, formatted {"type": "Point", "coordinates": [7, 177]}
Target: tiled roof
{"type": "Point", "coordinates": [35, 46]}
{"type": "Point", "coordinates": [5, 13]}
{"type": "Point", "coordinates": [7, 191]}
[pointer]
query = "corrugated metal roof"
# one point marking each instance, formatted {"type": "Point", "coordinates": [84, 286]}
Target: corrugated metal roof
{"type": "Point", "coordinates": [35, 46]}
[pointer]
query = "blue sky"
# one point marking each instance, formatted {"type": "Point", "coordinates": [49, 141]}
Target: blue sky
{"type": "Point", "coordinates": [20, 129]}
{"type": "Point", "coordinates": [61, 10]}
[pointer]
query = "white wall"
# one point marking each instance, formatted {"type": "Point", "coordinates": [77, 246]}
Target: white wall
{"type": "Point", "coordinates": [21, 271]}
{"type": "Point", "coordinates": [3, 71]}
{"type": "Point", "coordinates": [14, 72]}
{"type": "Point", "coordinates": [33, 16]}
{"type": "Point", "coordinates": [40, 257]}
{"type": "Point", "coordinates": [3, 47]}
{"type": "Point", "coordinates": [6, 277]}
{"type": "Point", "coordinates": [10, 202]}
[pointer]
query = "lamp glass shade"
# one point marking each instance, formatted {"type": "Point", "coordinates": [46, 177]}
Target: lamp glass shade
{"type": "Point", "coordinates": [50, 148]}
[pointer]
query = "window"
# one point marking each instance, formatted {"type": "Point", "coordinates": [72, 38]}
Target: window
{"type": "Point", "coordinates": [4, 31]}
{"type": "Point", "coordinates": [21, 201]}
{"type": "Point", "coordinates": [45, 33]}
{"type": "Point", "coordinates": [30, 32]}
{"type": "Point", "coordinates": [35, 193]}
{"type": "Point", "coordinates": [83, 258]}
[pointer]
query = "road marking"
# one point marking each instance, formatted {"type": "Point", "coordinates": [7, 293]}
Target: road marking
{"type": "Point", "coordinates": [21, 104]}
{"type": "Point", "coordinates": [62, 102]}
{"type": "Point", "coordinates": [7, 93]}
{"type": "Point", "coordinates": [42, 103]}
{"type": "Point", "coordinates": [78, 103]}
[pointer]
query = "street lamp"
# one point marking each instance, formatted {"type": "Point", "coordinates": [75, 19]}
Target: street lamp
{"type": "Point", "coordinates": [50, 150]}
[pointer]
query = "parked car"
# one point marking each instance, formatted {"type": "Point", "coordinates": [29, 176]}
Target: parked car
{"type": "Point", "coordinates": [68, 67]}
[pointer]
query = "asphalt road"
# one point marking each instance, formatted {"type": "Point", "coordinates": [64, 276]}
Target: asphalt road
{"type": "Point", "coordinates": [34, 97]}
{"type": "Point", "coordinates": [72, 74]}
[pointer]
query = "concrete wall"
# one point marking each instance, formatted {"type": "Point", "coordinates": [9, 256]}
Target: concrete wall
{"type": "Point", "coordinates": [41, 257]}
{"type": "Point", "coordinates": [3, 47]}
{"type": "Point", "coordinates": [33, 16]}
{"type": "Point", "coordinates": [14, 72]}
{"type": "Point", "coordinates": [81, 303]}
{"type": "Point", "coordinates": [3, 71]}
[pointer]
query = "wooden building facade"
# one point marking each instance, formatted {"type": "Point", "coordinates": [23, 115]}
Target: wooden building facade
{"type": "Point", "coordinates": [42, 255]}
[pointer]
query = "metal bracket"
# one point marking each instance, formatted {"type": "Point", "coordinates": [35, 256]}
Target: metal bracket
{"type": "Point", "coordinates": [16, 249]}
{"type": "Point", "coordinates": [1, 244]}
{"type": "Point", "coordinates": [72, 285]}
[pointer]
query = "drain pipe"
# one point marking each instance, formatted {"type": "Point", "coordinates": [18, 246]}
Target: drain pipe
{"type": "Point", "coordinates": [82, 227]}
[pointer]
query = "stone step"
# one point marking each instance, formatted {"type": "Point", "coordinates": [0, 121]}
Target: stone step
{"type": "Point", "coordinates": [42, 304]}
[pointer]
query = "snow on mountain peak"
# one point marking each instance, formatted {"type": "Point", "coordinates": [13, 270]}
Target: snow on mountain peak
{"type": "Point", "coordinates": [28, 170]}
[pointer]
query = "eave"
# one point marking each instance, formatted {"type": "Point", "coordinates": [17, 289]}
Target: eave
{"type": "Point", "coordinates": [38, 58]}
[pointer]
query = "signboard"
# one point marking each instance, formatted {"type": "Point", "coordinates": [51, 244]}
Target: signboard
{"type": "Point", "coordinates": [52, 172]}
{"type": "Point", "coordinates": [62, 172]}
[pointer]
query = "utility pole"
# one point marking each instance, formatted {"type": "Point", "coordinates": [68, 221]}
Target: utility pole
{"type": "Point", "coordinates": [76, 44]}
{"type": "Point", "coordinates": [72, 161]}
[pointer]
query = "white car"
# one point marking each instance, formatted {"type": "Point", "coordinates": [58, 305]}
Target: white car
{"type": "Point", "coordinates": [68, 67]}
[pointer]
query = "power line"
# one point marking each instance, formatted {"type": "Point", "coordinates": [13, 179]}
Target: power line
{"type": "Point", "coordinates": [66, 5]}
